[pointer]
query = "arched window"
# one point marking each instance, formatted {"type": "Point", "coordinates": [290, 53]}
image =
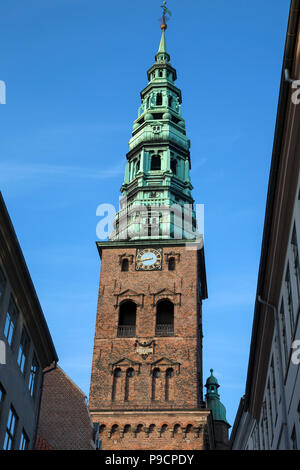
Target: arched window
{"type": "Point", "coordinates": [169, 376]}
{"type": "Point", "coordinates": [127, 429]}
{"type": "Point", "coordinates": [155, 163]}
{"type": "Point", "coordinates": [174, 166]}
{"type": "Point", "coordinates": [163, 429]}
{"type": "Point", "coordinates": [127, 319]}
{"type": "Point", "coordinates": [156, 379]}
{"type": "Point", "coordinates": [139, 429]}
{"type": "Point", "coordinates": [125, 264]}
{"type": "Point", "coordinates": [176, 429]}
{"type": "Point", "coordinates": [170, 101]}
{"type": "Point", "coordinates": [188, 429]}
{"type": "Point", "coordinates": [116, 384]}
{"type": "Point", "coordinates": [151, 428]}
{"type": "Point", "coordinates": [114, 429]}
{"type": "Point", "coordinates": [160, 74]}
{"type": "Point", "coordinates": [164, 318]}
{"type": "Point", "coordinates": [171, 264]}
{"type": "Point", "coordinates": [129, 375]}
{"type": "Point", "coordinates": [158, 99]}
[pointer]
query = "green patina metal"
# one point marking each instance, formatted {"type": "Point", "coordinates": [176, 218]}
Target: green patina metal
{"type": "Point", "coordinates": [213, 399]}
{"type": "Point", "coordinates": [158, 165]}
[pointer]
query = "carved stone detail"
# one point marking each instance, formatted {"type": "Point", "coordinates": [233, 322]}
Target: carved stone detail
{"type": "Point", "coordinates": [166, 294]}
{"type": "Point", "coordinates": [130, 294]}
{"type": "Point", "coordinates": [144, 349]}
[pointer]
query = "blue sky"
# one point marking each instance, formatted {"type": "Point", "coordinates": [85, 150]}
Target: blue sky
{"type": "Point", "coordinates": [74, 70]}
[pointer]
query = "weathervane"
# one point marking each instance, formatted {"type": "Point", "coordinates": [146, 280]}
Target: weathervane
{"type": "Point", "coordinates": [165, 18]}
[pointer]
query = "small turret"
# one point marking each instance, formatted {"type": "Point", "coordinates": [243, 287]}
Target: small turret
{"type": "Point", "coordinates": [218, 410]}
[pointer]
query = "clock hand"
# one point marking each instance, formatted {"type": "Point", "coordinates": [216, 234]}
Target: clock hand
{"type": "Point", "coordinates": [146, 259]}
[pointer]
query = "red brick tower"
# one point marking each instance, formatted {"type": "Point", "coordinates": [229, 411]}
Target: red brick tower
{"type": "Point", "coordinates": [146, 382]}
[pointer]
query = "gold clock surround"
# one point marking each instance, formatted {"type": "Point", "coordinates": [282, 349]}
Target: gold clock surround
{"type": "Point", "coordinates": [156, 266]}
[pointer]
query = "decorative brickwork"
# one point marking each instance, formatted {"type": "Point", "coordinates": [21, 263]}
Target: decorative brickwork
{"type": "Point", "coordinates": [155, 430]}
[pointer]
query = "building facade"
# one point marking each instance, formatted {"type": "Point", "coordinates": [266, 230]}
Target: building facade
{"type": "Point", "coordinates": [269, 413]}
{"type": "Point", "coordinates": [25, 343]}
{"type": "Point", "coordinates": [146, 387]}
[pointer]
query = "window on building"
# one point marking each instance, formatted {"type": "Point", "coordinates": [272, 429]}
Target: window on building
{"type": "Point", "coordinates": [125, 265]}
{"type": "Point", "coordinates": [163, 429]}
{"type": "Point", "coordinates": [116, 383]}
{"type": "Point", "coordinates": [128, 380]}
{"type": "Point", "coordinates": [262, 433]}
{"type": "Point", "coordinates": [34, 370]}
{"type": "Point", "coordinates": [11, 426]}
{"type": "Point", "coordinates": [174, 166]}
{"type": "Point", "coordinates": [188, 429]}
{"type": "Point", "coordinates": [23, 351]}
{"type": "Point", "coordinates": [155, 163]}
{"type": "Point", "coordinates": [127, 319]}
{"type": "Point", "coordinates": [290, 300]}
{"type": "Point", "coordinates": [159, 99]}
{"type": "Point", "coordinates": [283, 333]}
{"type": "Point", "coordinates": [171, 264]}
{"type": "Point", "coordinates": [101, 430]}
{"type": "Point", "coordinates": [10, 322]}
{"type": "Point", "coordinates": [2, 397]}
{"type": "Point", "coordinates": [274, 393]}
{"type": "Point", "coordinates": [156, 379]}
{"type": "Point", "coordinates": [151, 429]}
{"type": "Point", "coordinates": [294, 439]}
{"type": "Point", "coordinates": [170, 101]}
{"type": "Point", "coordinates": [127, 428]}
{"type": "Point", "coordinates": [168, 385]}
{"type": "Point", "coordinates": [164, 318]}
{"type": "Point", "coordinates": [2, 283]}
{"type": "Point", "coordinates": [255, 438]}
{"type": "Point", "coordinates": [296, 259]}
{"type": "Point", "coordinates": [114, 429]}
{"type": "Point", "coordinates": [266, 423]}
{"type": "Point", "coordinates": [270, 409]}
{"type": "Point", "coordinates": [24, 442]}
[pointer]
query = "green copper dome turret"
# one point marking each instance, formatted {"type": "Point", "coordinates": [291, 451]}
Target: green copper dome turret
{"type": "Point", "coordinates": [213, 399]}
{"type": "Point", "coordinates": [158, 165]}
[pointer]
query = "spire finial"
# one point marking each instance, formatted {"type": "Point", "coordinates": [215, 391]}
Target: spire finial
{"type": "Point", "coordinates": [164, 18]}
{"type": "Point", "coordinates": [211, 371]}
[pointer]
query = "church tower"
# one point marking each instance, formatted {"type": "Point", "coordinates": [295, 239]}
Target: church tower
{"type": "Point", "coordinates": [146, 387]}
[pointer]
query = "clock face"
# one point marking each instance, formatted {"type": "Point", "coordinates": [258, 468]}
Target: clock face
{"type": "Point", "coordinates": [148, 259]}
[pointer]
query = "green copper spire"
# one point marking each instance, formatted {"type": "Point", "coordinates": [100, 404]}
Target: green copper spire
{"type": "Point", "coordinates": [162, 45]}
{"type": "Point", "coordinates": [158, 162]}
{"type": "Point", "coordinates": [213, 399]}
{"type": "Point", "coordinates": [162, 55]}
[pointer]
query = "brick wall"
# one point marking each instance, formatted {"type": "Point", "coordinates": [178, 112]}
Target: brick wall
{"type": "Point", "coordinates": [182, 352]}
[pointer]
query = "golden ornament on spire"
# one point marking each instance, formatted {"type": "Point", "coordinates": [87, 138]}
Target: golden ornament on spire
{"type": "Point", "coordinates": [165, 18]}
